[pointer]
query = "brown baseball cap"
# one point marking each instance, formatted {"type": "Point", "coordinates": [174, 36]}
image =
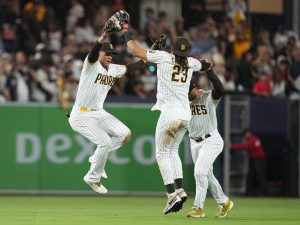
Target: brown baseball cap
{"type": "Point", "coordinates": [181, 47]}
{"type": "Point", "coordinates": [108, 48]}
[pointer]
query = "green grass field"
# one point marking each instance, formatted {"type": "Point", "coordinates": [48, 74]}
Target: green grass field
{"type": "Point", "coordinates": [93, 210]}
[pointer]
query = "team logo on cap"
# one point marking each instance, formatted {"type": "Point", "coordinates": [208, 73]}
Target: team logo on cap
{"type": "Point", "coordinates": [182, 47]}
{"type": "Point", "coordinates": [110, 46]}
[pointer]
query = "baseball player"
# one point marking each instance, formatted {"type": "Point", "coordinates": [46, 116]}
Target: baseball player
{"type": "Point", "coordinates": [174, 72]}
{"type": "Point", "coordinates": [88, 116]}
{"type": "Point", "coordinates": [206, 144]}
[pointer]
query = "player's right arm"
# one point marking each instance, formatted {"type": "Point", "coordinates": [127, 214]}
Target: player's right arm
{"type": "Point", "coordinates": [94, 53]}
{"type": "Point", "coordinates": [136, 50]}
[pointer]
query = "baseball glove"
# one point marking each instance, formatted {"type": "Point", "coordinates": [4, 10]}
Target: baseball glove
{"type": "Point", "coordinates": [160, 43]}
{"type": "Point", "coordinates": [112, 25]}
{"type": "Point", "coordinates": [123, 17]}
{"type": "Point", "coordinates": [117, 22]}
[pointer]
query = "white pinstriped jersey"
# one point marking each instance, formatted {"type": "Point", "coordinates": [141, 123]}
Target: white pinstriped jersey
{"type": "Point", "coordinates": [173, 84]}
{"type": "Point", "coordinates": [204, 116]}
{"type": "Point", "coordinates": [95, 82]}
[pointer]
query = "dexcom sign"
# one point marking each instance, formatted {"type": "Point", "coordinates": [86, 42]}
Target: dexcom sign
{"type": "Point", "coordinates": [57, 147]}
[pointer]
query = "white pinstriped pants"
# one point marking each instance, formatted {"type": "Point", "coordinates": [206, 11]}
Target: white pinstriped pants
{"type": "Point", "coordinates": [103, 129]}
{"type": "Point", "coordinates": [168, 135]}
{"type": "Point", "coordinates": [204, 154]}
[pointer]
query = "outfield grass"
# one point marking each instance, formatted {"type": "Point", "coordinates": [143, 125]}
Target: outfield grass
{"type": "Point", "coordinates": [93, 210]}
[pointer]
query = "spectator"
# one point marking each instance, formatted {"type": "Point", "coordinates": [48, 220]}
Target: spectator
{"type": "Point", "coordinates": [44, 86]}
{"type": "Point", "coordinates": [224, 76]}
{"type": "Point", "coordinates": [162, 25]}
{"type": "Point", "coordinates": [278, 84]}
{"type": "Point", "coordinates": [9, 28]}
{"type": "Point", "coordinates": [281, 37]}
{"type": "Point", "coordinates": [67, 87]}
{"type": "Point", "coordinates": [5, 72]}
{"type": "Point", "coordinates": [178, 29]}
{"type": "Point", "coordinates": [245, 79]}
{"type": "Point", "coordinates": [262, 87]}
{"type": "Point", "coordinates": [256, 178]}
{"type": "Point", "coordinates": [204, 44]}
{"type": "Point", "coordinates": [75, 13]}
{"type": "Point", "coordinates": [150, 26]}
{"type": "Point", "coordinates": [44, 33]}
{"type": "Point", "coordinates": [19, 80]}
{"type": "Point", "coordinates": [241, 40]}
{"type": "Point", "coordinates": [84, 32]}
{"type": "Point", "coordinates": [23, 75]}
{"type": "Point", "coordinates": [263, 63]}
{"type": "Point", "coordinates": [54, 37]}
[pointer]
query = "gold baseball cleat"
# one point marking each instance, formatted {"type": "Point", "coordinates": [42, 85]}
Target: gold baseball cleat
{"type": "Point", "coordinates": [224, 209]}
{"type": "Point", "coordinates": [196, 213]}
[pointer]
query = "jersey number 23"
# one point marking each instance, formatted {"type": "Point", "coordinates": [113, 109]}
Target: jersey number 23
{"type": "Point", "coordinates": [179, 75]}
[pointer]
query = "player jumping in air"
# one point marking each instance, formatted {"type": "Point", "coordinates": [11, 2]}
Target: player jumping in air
{"type": "Point", "coordinates": [206, 144]}
{"type": "Point", "coordinates": [88, 116]}
{"type": "Point", "coordinates": [174, 73]}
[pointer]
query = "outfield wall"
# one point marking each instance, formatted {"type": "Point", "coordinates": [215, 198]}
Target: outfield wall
{"type": "Point", "coordinates": [39, 152]}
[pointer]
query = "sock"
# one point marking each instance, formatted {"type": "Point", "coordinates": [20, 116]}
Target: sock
{"type": "Point", "coordinates": [170, 188]}
{"type": "Point", "coordinates": [179, 183]}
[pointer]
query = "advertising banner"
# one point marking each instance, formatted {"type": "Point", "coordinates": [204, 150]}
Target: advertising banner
{"type": "Point", "coordinates": [39, 152]}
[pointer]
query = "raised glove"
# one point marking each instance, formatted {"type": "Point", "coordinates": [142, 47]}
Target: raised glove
{"type": "Point", "coordinates": [112, 25]}
{"type": "Point", "coordinates": [161, 42]}
{"type": "Point", "coordinates": [123, 18]}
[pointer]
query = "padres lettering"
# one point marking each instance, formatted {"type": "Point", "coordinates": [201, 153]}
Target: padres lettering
{"type": "Point", "coordinates": [198, 109]}
{"type": "Point", "coordinates": [105, 80]}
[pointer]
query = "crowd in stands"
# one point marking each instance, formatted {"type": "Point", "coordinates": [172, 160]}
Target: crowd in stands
{"type": "Point", "coordinates": [42, 50]}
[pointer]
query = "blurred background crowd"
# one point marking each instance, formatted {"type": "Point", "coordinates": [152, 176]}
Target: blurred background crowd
{"type": "Point", "coordinates": [43, 45]}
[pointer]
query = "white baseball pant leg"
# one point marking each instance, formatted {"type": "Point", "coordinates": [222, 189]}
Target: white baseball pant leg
{"type": "Point", "coordinates": [176, 161]}
{"type": "Point", "coordinates": [168, 135]}
{"type": "Point", "coordinates": [120, 134]}
{"type": "Point", "coordinates": [89, 125]}
{"type": "Point", "coordinates": [204, 154]}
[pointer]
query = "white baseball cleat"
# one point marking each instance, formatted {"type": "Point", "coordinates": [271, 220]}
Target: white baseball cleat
{"type": "Point", "coordinates": [173, 203]}
{"type": "Point", "coordinates": [181, 193]}
{"type": "Point", "coordinates": [104, 175]}
{"type": "Point", "coordinates": [96, 186]}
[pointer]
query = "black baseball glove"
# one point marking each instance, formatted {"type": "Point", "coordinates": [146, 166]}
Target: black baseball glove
{"type": "Point", "coordinates": [112, 25]}
{"type": "Point", "coordinates": [160, 43]}
{"type": "Point", "coordinates": [122, 16]}
{"type": "Point", "coordinates": [117, 22]}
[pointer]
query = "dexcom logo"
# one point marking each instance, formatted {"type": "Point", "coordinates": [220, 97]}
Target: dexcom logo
{"type": "Point", "coordinates": [56, 148]}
